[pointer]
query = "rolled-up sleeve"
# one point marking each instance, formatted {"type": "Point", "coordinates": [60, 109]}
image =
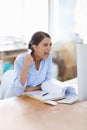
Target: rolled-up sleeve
{"type": "Point", "coordinates": [18, 87]}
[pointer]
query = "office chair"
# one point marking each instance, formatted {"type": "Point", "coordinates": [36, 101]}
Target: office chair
{"type": "Point", "coordinates": [5, 89]}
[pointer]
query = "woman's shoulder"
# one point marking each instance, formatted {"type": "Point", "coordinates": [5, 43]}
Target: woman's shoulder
{"type": "Point", "coordinates": [20, 58]}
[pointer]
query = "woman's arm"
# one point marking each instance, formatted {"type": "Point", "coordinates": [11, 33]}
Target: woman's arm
{"type": "Point", "coordinates": [23, 75]}
{"type": "Point", "coordinates": [21, 66]}
{"type": "Point", "coordinates": [28, 89]}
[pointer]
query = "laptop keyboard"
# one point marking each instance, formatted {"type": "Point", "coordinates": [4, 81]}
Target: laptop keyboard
{"type": "Point", "coordinates": [69, 100]}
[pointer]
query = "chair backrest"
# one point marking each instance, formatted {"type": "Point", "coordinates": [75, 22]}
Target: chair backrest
{"type": "Point", "coordinates": [6, 81]}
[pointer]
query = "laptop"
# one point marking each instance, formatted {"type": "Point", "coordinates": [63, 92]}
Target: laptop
{"type": "Point", "coordinates": [82, 71]}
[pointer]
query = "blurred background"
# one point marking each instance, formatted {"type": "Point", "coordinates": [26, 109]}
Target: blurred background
{"type": "Point", "coordinates": [64, 20]}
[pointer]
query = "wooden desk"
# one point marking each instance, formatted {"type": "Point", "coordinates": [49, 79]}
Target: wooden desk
{"type": "Point", "coordinates": [25, 113]}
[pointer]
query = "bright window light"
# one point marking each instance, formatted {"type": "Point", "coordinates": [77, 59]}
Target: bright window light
{"type": "Point", "coordinates": [21, 18]}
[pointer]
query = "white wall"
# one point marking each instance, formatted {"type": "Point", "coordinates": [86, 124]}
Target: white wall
{"type": "Point", "coordinates": [21, 18]}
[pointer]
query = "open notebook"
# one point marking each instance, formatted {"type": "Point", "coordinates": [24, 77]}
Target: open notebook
{"type": "Point", "coordinates": [52, 90]}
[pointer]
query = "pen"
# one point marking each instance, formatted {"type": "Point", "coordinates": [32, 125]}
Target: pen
{"type": "Point", "coordinates": [44, 94]}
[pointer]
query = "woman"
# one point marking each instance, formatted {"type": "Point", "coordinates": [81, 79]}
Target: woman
{"type": "Point", "coordinates": [35, 68]}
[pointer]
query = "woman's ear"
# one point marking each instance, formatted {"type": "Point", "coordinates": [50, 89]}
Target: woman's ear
{"type": "Point", "coordinates": [34, 47]}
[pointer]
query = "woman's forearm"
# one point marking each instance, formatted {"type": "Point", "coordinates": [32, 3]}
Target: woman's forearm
{"type": "Point", "coordinates": [28, 89]}
{"type": "Point", "coordinates": [24, 72]}
{"type": "Point", "coordinates": [23, 75]}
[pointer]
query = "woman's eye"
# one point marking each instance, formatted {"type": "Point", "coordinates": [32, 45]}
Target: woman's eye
{"type": "Point", "coordinates": [46, 44]}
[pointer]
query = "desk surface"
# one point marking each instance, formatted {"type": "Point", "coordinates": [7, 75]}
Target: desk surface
{"type": "Point", "coordinates": [25, 113]}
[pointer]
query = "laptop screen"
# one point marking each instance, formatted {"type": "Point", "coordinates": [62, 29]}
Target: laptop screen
{"type": "Point", "coordinates": [82, 71]}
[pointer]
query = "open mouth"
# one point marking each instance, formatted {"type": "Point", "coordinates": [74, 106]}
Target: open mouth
{"type": "Point", "coordinates": [46, 54]}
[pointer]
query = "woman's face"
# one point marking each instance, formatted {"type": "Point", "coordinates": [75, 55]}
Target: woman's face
{"type": "Point", "coordinates": [42, 50]}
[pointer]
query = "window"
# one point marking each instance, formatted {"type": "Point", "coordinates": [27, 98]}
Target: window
{"type": "Point", "coordinates": [21, 18]}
